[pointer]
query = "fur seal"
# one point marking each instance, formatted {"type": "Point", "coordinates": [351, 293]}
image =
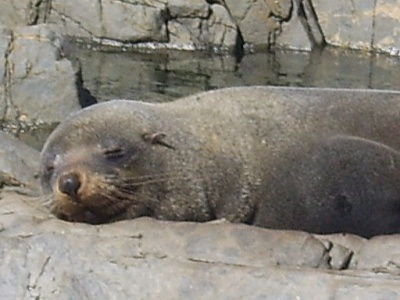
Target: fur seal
{"type": "Point", "coordinates": [318, 160]}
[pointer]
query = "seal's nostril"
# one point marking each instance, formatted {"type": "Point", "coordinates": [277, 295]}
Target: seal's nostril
{"type": "Point", "coordinates": [69, 184]}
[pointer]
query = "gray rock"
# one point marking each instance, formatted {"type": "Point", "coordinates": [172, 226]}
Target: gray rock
{"type": "Point", "coordinates": [13, 13]}
{"type": "Point", "coordinates": [178, 24]}
{"type": "Point", "coordinates": [381, 253]}
{"type": "Point", "coordinates": [37, 11]}
{"type": "Point", "coordinates": [281, 9]}
{"type": "Point", "coordinates": [47, 258]}
{"type": "Point", "coordinates": [133, 22]}
{"type": "Point", "coordinates": [185, 9]}
{"type": "Point", "coordinates": [5, 42]}
{"type": "Point", "coordinates": [346, 23]}
{"type": "Point", "coordinates": [218, 30]}
{"type": "Point", "coordinates": [185, 34]}
{"type": "Point", "coordinates": [77, 18]}
{"type": "Point", "coordinates": [174, 24]}
{"type": "Point", "coordinates": [253, 19]}
{"type": "Point", "coordinates": [3, 105]}
{"type": "Point", "coordinates": [19, 164]}
{"type": "Point", "coordinates": [42, 81]}
{"type": "Point", "coordinates": [387, 26]}
{"type": "Point", "coordinates": [301, 31]}
{"type": "Point", "coordinates": [223, 31]}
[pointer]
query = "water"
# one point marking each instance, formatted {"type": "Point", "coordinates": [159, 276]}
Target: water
{"type": "Point", "coordinates": [167, 75]}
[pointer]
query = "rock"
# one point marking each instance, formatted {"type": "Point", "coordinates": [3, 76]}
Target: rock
{"type": "Point", "coordinates": [37, 11]}
{"type": "Point", "coordinates": [343, 249]}
{"type": "Point", "coordinates": [178, 24]}
{"type": "Point", "coordinates": [42, 81]}
{"type": "Point", "coordinates": [185, 34]}
{"type": "Point", "coordinates": [253, 19]}
{"type": "Point", "coordinates": [5, 42]}
{"type": "Point", "coordinates": [280, 9]}
{"type": "Point", "coordinates": [387, 27]}
{"type": "Point", "coordinates": [223, 31]}
{"type": "Point", "coordinates": [77, 18]}
{"type": "Point", "coordinates": [19, 164]}
{"type": "Point", "coordinates": [118, 23]}
{"type": "Point", "coordinates": [13, 13]}
{"type": "Point", "coordinates": [110, 21]}
{"type": "Point", "coordinates": [171, 24]}
{"type": "Point", "coordinates": [145, 258]}
{"type": "Point", "coordinates": [301, 31]}
{"type": "Point", "coordinates": [218, 31]}
{"type": "Point", "coordinates": [193, 9]}
{"type": "Point", "coordinates": [382, 254]}
{"type": "Point", "coordinates": [346, 23]}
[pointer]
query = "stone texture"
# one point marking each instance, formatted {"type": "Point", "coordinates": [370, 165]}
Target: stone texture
{"type": "Point", "coordinates": [294, 33]}
{"type": "Point", "coordinates": [186, 9]}
{"type": "Point", "coordinates": [253, 19]}
{"type": "Point", "coordinates": [171, 24]}
{"type": "Point", "coordinates": [42, 82]}
{"type": "Point", "coordinates": [77, 18]}
{"type": "Point", "coordinates": [381, 253]}
{"type": "Point", "coordinates": [218, 30]}
{"type": "Point", "coordinates": [19, 164]}
{"type": "Point", "coordinates": [13, 13]}
{"type": "Point", "coordinates": [301, 31]}
{"type": "Point", "coordinates": [5, 42]}
{"type": "Point", "coordinates": [281, 9]}
{"type": "Point", "coordinates": [133, 22]}
{"type": "Point", "coordinates": [346, 23]}
{"type": "Point", "coordinates": [202, 24]}
{"type": "Point", "coordinates": [45, 258]}
{"type": "Point", "coordinates": [387, 26]}
{"type": "Point", "coordinates": [37, 11]}
{"type": "Point", "coordinates": [222, 31]}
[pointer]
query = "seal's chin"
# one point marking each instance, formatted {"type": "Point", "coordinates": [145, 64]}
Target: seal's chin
{"type": "Point", "coordinates": [80, 195]}
{"type": "Point", "coordinates": [84, 216]}
{"type": "Point", "coordinates": [73, 211]}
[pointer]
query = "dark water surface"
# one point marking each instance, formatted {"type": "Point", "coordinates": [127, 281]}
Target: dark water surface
{"type": "Point", "coordinates": [168, 75]}
{"type": "Point", "coordinates": [164, 76]}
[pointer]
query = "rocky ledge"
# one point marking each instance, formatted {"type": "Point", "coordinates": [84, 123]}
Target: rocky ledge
{"type": "Point", "coordinates": [45, 258]}
{"type": "Point", "coordinates": [218, 24]}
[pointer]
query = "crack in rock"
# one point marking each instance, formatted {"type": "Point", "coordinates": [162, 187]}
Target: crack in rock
{"type": "Point", "coordinates": [66, 17]}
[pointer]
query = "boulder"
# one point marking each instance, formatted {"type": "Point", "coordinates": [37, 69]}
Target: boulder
{"type": "Point", "coordinates": [42, 79]}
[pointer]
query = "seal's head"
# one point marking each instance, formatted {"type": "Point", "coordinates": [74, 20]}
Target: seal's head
{"type": "Point", "coordinates": [93, 165]}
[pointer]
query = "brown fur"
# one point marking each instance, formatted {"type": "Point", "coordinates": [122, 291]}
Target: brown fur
{"type": "Point", "coordinates": [312, 159]}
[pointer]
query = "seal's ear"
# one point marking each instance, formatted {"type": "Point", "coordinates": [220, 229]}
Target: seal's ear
{"type": "Point", "coordinates": [157, 139]}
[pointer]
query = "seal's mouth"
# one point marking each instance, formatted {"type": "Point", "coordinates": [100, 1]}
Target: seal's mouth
{"type": "Point", "coordinates": [96, 209]}
{"type": "Point", "coordinates": [96, 198]}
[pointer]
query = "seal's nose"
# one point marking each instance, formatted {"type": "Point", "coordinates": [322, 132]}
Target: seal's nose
{"type": "Point", "coordinates": [69, 184]}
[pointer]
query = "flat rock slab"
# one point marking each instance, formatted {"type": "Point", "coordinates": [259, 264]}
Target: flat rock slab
{"type": "Point", "coordinates": [46, 258]}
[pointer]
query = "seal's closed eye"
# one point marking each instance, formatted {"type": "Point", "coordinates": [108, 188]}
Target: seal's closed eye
{"type": "Point", "coordinates": [50, 168]}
